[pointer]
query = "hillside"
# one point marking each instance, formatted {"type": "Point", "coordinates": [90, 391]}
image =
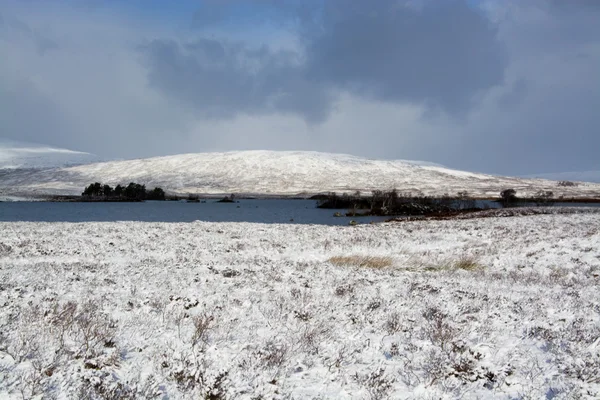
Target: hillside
{"type": "Point", "coordinates": [275, 173]}
{"type": "Point", "coordinates": [578, 176]}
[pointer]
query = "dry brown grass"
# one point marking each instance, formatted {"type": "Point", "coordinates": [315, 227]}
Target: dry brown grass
{"type": "Point", "coordinates": [467, 263]}
{"type": "Point", "coordinates": [362, 261]}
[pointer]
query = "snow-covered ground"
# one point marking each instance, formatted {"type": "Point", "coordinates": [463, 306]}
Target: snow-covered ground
{"type": "Point", "coordinates": [483, 308]}
{"type": "Point", "coordinates": [278, 173]}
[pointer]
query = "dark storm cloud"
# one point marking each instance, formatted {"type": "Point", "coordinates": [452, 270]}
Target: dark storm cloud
{"type": "Point", "coordinates": [515, 95]}
{"type": "Point", "coordinates": [511, 88]}
{"type": "Point", "coordinates": [554, 131]}
{"type": "Point", "coordinates": [547, 119]}
{"type": "Point", "coordinates": [219, 79]}
{"type": "Point", "coordinates": [28, 115]}
{"type": "Point", "coordinates": [440, 55]}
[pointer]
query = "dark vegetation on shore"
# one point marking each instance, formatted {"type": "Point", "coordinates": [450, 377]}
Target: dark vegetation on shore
{"type": "Point", "coordinates": [377, 203]}
{"type": "Point", "coordinates": [228, 199]}
{"type": "Point", "coordinates": [132, 192]}
{"type": "Point", "coordinates": [380, 203]}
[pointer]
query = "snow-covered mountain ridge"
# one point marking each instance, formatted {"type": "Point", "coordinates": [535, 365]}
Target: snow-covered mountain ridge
{"type": "Point", "coordinates": [15, 155]}
{"type": "Point", "coordinates": [277, 173]}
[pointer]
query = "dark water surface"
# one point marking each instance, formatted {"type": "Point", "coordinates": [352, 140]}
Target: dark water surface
{"type": "Point", "coordinates": [265, 211]}
{"type": "Point", "coordinates": [272, 211]}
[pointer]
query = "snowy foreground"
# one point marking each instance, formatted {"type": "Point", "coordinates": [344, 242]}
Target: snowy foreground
{"type": "Point", "coordinates": [480, 308]}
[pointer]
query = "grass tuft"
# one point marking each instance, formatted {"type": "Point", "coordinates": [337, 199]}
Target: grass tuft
{"type": "Point", "coordinates": [362, 261]}
{"type": "Point", "coordinates": [467, 263]}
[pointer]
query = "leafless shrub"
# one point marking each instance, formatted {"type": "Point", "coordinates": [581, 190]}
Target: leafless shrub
{"type": "Point", "coordinates": [273, 354]}
{"type": "Point", "coordinates": [394, 349]}
{"type": "Point", "coordinates": [103, 385]}
{"type": "Point", "coordinates": [93, 328]}
{"type": "Point", "coordinates": [216, 388]}
{"type": "Point", "coordinates": [22, 337]}
{"type": "Point", "coordinates": [178, 318]}
{"type": "Point", "coordinates": [362, 261]}
{"type": "Point", "coordinates": [31, 383]}
{"type": "Point", "coordinates": [5, 249]}
{"type": "Point", "coordinates": [557, 274]}
{"type": "Point", "coordinates": [187, 369]}
{"type": "Point", "coordinates": [202, 325]}
{"type": "Point", "coordinates": [377, 383]}
{"type": "Point", "coordinates": [230, 273]}
{"type": "Point", "coordinates": [374, 304]}
{"type": "Point", "coordinates": [464, 362]}
{"type": "Point", "coordinates": [438, 330]}
{"type": "Point", "coordinates": [456, 365]}
{"type": "Point", "coordinates": [296, 293]}
{"type": "Point", "coordinates": [340, 358]}
{"type": "Point", "coordinates": [23, 345]}
{"type": "Point", "coordinates": [542, 333]}
{"type": "Point", "coordinates": [580, 331]}
{"type": "Point", "coordinates": [409, 365]}
{"type": "Point", "coordinates": [62, 319]}
{"type": "Point", "coordinates": [585, 367]}
{"type": "Point", "coordinates": [311, 337]}
{"type": "Point", "coordinates": [344, 290]}
{"type": "Point", "coordinates": [393, 324]}
{"type": "Point", "coordinates": [91, 388]}
{"type": "Point", "coordinates": [302, 315]}
{"type": "Point", "coordinates": [435, 365]}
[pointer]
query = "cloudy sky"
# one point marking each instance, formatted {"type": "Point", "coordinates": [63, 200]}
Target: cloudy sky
{"type": "Point", "coordinates": [497, 86]}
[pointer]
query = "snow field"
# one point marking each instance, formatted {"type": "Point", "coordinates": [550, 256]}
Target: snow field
{"type": "Point", "coordinates": [483, 308]}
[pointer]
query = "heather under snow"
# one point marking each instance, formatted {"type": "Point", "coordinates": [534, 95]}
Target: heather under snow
{"type": "Point", "coordinates": [503, 308]}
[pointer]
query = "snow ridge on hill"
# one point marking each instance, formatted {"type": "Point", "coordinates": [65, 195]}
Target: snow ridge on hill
{"type": "Point", "coordinates": [15, 155]}
{"type": "Point", "coordinates": [277, 173]}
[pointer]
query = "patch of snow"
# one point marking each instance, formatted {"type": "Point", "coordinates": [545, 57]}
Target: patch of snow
{"type": "Point", "coordinates": [485, 308]}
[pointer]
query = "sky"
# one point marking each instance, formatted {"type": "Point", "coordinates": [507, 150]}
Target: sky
{"type": "Point", "coordinates": [505, 87]}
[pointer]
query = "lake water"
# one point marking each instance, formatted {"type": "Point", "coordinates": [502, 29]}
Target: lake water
{"type": "Point", "coordinates": [265, 211]}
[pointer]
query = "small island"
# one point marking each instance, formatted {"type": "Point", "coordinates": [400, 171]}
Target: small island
{"type": "Point", "coordinates": [131, 193]}
{"type": "Point", "coordinates": [228, 199]}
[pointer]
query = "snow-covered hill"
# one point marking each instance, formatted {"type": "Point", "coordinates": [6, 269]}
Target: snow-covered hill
{"type": "Point", "coordinates": [576, 176]}
{"type": "Point", "coordinates": [276, 173]}
{"type": "Point", "coordinates": [15, 155]}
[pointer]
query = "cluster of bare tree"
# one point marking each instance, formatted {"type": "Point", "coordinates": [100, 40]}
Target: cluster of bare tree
{"type": "Point", "coordinates": [380, 202]}
{"type": "Point", "coordinates": [131, 192]}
